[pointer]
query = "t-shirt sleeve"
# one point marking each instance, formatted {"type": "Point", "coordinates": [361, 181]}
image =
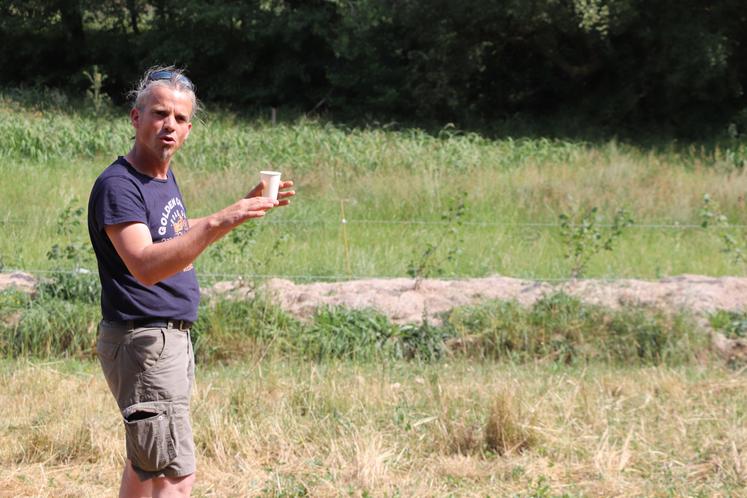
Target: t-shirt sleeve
{"type": "Point", "coordinates": [119, 201]}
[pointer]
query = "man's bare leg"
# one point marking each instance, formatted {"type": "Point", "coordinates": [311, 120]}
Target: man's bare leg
{"type": "Point", "coordinates": [158, 487]}
{"type": "Point", "coordinates": [132, 486]}
{"type": "Point", "coordinates": [173, 487]}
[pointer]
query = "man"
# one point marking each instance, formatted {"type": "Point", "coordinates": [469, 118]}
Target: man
{"type": "Point", "coordinates": [145, 246]}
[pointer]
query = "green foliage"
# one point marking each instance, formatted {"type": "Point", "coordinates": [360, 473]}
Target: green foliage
{"type": "Point", "coordinates": [233, 329]}
{"type": "Point", "coordinates": [61, 320]}
{"type": "Point", "coordinates": [228, 330]}
{"type": "Point", "coordinates": [732, 324]}
{"type": "Point", "coordinates": [557, 328]}
{"type": "Point", "coordinates": [562, 328]}
{"type": "Point", "coordinates": [733, 244]}
{"type": "Point", "coordinates": [78, 283]}
{"type": "Point", "coordinates": [468, 62]}
{"type": "Point", "coordinates": [423, 341]}
{"type": "Point", "coordinates": [46, 327]}
{"type": "Point", "coordinates": [79, 286]}
{"type": "Point", "coordinates": [585, 237]}
{"type": "Point", "coordinates": [95, 94]}
{"type": "Point", "coordinates": [343, 333]}
{"type": "Point", "coordinates": [75, 249]}
{"type": "Point", "coordinates": [511, 182]}
{"type": "Point", "coordinates": [240, 245]}
{"type": "Point", "coordinates": [444, 247]}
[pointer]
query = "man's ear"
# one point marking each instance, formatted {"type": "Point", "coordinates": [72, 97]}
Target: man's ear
{"type": "Point", "coordinates": [135, 117]}
{"type": "Point", "coordinates": [188, 130]}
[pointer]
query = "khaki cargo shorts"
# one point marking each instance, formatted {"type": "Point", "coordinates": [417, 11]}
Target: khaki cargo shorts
{"type": "Point", "coordinates": [150, 372]}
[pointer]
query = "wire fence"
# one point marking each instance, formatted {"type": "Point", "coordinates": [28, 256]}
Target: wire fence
{"type": "Point", "coordinates": [206, 277]}
{"type": "Point", "coordinates": [353, 221]}
{"type": "Point", "coordinates": [344, 222]}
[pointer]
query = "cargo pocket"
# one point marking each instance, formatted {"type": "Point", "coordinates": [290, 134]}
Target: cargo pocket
{"type": "Point", "coordinates": [149, 435]}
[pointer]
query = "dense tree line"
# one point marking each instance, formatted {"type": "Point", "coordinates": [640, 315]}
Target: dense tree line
{"type": "Point", "coordinates": [676, 63]}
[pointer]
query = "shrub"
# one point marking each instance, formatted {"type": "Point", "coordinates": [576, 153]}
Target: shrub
{"type": "Point", "coordinates": [51, 328]}
{"type": "Point", "coordinates": [78, 286]}
{"type": "Point", "coordinates": [732, 324]}
{"type": "Point", "coordinates": [338, 332]}
{"type": "Point", "coordinates": [561, 328]}
{"type": "Point", "coordinates": [233, 329]}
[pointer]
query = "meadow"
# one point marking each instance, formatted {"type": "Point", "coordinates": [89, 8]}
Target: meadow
{"type": "Point", "coordinates": [562, 399]}
{"type": "Point", "coordinates": [393, 187]}
{"type": "Point", "coordinates": [456, 428]}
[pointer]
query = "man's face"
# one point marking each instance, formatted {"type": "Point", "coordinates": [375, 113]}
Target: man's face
{"type": "Point", "coordinates": [163, 123]}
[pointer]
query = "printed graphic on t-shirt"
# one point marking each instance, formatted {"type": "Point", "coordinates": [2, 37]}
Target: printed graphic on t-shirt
{"type": "Point", "coordinates": [174, 216]}
{"type": "Point", "coordinates": [173, 213]}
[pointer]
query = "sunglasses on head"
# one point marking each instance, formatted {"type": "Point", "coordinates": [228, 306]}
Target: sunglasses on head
{"type": "Point", "coordinates": [169, 75]}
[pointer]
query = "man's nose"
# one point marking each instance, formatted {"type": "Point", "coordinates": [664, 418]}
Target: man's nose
{"type": "Point", "coordinates": [168, 122]}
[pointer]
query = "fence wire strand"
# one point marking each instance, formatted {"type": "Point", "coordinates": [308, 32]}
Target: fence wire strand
{"type": "Point", "coordinates": [212, 276]}
{"type": "Point", "coordinates": [349, 276]}
{"type": "Point", "coordinates": [348, 221]}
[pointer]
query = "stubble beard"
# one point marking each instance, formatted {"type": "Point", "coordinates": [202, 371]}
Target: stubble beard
{"type": "Point", "coordinates": [166, 153]}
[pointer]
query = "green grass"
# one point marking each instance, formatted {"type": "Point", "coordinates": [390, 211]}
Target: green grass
{"type": "Point", "coordinates": [384, 180]}
{"type": "Point", "coordinates": [61, 321]}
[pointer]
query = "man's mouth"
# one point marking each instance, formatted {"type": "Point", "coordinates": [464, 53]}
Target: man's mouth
{"type": "Point", "coordinates": [167, 139]}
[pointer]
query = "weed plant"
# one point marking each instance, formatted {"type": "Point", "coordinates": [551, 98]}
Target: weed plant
{"type": "Point", "coordinates": [733, 239]}
{"type": "Point", "coordinates": [733, 324]}
{"type": "Point", "coordinates": [585, 237]}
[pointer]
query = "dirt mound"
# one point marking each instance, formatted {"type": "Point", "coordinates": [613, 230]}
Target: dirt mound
{"type": "Point", "coordinates": [21, 281]}
{"type": "Point", "coordinates": [402, 302]}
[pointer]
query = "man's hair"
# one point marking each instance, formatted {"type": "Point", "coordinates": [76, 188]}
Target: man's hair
{"type": "Point", "coordinates": [176, 81]}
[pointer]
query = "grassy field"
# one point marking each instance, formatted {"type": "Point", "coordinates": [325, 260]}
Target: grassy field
{"type": "Point", "coordinates": [394, 187]}
{"type": "Point", "coordinates": [276, 428]}
{"type": "Point", "coordinates": [560, 400]}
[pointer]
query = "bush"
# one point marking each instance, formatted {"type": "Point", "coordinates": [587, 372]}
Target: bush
{"type": "Point", "coordinates": [77, 287]}
{"type": "Point", "coordinates": [732, 324]}
{"type": "Point", "coordinates": [339, 333]}
{"type": "Point", "coordinates": [49, 328]}
{"type": "Point", "coordinates": [561, 328]}
{"type": "Point", "coordinates": [232, 329]}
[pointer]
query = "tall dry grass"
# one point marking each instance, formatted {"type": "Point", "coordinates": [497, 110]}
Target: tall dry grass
{"type": "Point", "coordinates": [397, 429]}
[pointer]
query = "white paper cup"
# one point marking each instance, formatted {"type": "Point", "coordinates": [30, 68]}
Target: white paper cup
{"type": "Point", "coordinates": [271, 180]}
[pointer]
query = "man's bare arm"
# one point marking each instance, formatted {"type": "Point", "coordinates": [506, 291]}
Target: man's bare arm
{"type": "Point", "coordinates": [150, 263]}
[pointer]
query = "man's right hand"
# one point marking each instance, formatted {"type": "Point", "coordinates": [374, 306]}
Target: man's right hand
{"type": "Point", "coordinates": [283, 196]}
{"type": "Point", "coordinates": [239, 212]}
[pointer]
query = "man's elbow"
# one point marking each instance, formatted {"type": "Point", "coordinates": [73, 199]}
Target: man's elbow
{"type": "Point", "coordinates": [144, 277]}
{"type": "Point", "coordinates": [148, 282]}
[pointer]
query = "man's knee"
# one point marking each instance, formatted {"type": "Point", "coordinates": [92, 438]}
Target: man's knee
{"type": "Point", "coordinates": [167, 487]}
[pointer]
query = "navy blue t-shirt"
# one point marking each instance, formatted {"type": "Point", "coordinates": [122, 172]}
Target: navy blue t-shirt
{"type": "Point", "coordinates": [121, 194]}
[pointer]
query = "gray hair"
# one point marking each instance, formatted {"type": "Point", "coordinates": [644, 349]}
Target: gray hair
{"type": "Point", "coordinates": [176, 81]}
